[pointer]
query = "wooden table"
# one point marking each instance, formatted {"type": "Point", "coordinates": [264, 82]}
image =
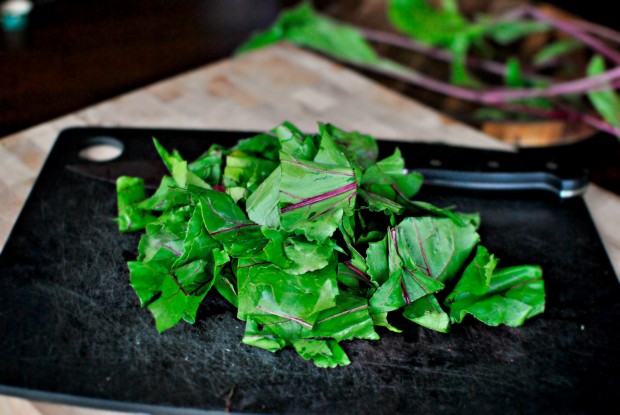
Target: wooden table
{"type": "Point", "coordinates": [253, 92]}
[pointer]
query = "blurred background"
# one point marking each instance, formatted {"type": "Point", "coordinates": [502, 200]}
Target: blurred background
{"type": "Point", "coordinates": [73, 53]}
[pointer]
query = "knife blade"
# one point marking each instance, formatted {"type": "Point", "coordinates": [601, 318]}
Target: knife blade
{"type": "Point", "coordinates": [443, 166]}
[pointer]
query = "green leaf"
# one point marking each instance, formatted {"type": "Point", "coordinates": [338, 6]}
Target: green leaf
{"type": "Point", "coordinates": [405, 282]}
{"type": "Point", "coordinates": [420, 20]}
{"type": "Point", "coordinates": [251, 162]}
{"type": "Point", "coordinates": [386, 186]}
{"type": "Point", "coordinates": [267, 293]}
{"type": "Point", "coordinates": [295, 254]}
{"type": "Point", "coordinates": [130, 193]}
{"type": "Point", "coordinates": [507, 32]}
{"type": "Point", "coordinates": [226, 223]}
{"type": "Point", "coordinates": [556, 50]}
{"type": "Point", "coordinates": [348, 319]}
{"type": "Point", "coordinates": [427, 312]}
{"type": "Point", "coordinates": [253, 336]}
{"type": "Point", "coordinates": [305, 197]}
{"type": "Point", "coordinates": [438, 247]}
{"type": "Point", "coordinates": [497, 296]}
{"type": "Point", "coordinates": [514, 78]}
{"type": "Point", "coordinates": [146, 278]}
{"type": "Point", "coordinates": [606, 101]}
{"type": "Point", "coordinates": [168, 195]}
{"type": "Point", "coordinates": [324, 353]}
{"type": "Point", "coordinates": [304, 27]}
{"type": "Point", "coordinates": [459, 75]}
{"type": "Point", "coordinates": [179, 169]}
{"type": "Point", "coordinates": [377, 261]}
{"type": "Point", "coordinates": [360, 149]}
{"type": "Point", "coordinates": [173, 304]}
{"type": "Point", "coordinates": [208, 166]}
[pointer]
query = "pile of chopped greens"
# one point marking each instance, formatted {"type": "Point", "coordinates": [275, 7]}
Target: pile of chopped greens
{"type": "Point", "coordinates": [315, 241]}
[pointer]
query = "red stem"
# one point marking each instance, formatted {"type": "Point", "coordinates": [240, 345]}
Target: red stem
{"type": "Point", "coordinates": [319, 198]}
{"type": "Point", "coordinates": [576, 31]}
{"type": "Point", "coordinates": [407, 43]}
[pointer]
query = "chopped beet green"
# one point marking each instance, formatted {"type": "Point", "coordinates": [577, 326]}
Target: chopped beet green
{"type": "Point", "coordinates": [276, 227]}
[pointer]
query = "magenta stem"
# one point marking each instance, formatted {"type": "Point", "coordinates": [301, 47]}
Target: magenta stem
{"type": "Point", "coordinates": [413, 45]}
{"type": "Point", "coordinates": [576, 31]}
{"type": "Point", "coordinates": [566, 114]}
{"type": "Point", "coordinates": [361, 274]}
{"type": "Point", "coordinates": [319, 198]}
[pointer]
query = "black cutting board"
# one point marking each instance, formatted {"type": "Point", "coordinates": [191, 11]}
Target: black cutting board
{"type": "Point", "coordinates": [71, 329]}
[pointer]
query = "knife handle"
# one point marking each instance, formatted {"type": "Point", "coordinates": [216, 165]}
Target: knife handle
{"type": "Point", "coordinates": [564, 187]}
{"type": "Point", "coordinates": [552, 169]}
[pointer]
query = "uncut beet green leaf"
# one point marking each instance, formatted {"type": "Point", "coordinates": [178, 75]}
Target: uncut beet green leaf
{"type": "Point", "coordinates": [606, 101]}
{"type": "Point", "coordinates": [556, 50]}
{"type": "Point", "coordinates": [130, 193]}
{"type": "Point", "coordinates": [305, 27]}
{"type": "Point", "coordinates": [420, 20]}
{"type": "Point", "coordinates": [443, 26]}
{"type": "Point", "coordinates": [506, 32]}
{"type": "Point", "coordinates": [427, 312]}
{"type": "Point", "coordinates": [497, 296]}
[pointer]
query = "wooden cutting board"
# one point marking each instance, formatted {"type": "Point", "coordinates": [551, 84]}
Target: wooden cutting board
{"type": "Point", "coordinates": [256, 92]}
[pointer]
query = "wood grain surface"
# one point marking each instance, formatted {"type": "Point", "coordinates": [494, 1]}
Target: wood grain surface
{"type": "Point", "coordinates": [252, 92]}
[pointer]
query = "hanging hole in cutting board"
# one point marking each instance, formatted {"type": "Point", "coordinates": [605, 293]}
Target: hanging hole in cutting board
{"type": "Point", "coordinates": [101, 148]}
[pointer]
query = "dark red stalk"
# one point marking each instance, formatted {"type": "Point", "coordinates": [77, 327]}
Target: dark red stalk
{"type": "Point", "coordinates": [232, 228]}
{"type": "Point", "coordinates": [361, 274]}
{"type": "Point", "coordinates": [565, 113]}
{"type": "Point", "coordinates": [407, 43]}
{"type": "Point", "coordinates": [319, 198]}
{"type": "Point", "coordinates": [285, 316]}
{"type": "Point", "coordinates": [576, 31]}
